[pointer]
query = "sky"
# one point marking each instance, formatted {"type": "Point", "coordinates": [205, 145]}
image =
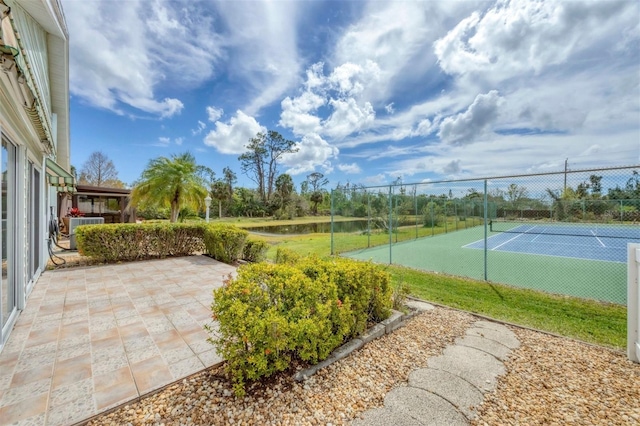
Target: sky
{"type": "Point", "coordinates": [370, 91]}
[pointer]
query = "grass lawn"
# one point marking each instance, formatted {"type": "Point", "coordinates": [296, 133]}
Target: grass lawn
{"type": "Point", "coordinates": [590, 321]}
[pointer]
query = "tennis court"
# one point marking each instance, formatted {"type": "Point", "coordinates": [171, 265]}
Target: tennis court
{"type": "Point", "coordinates": [591, 267]}
{"type": "Point", "coordinates": [579, 241]}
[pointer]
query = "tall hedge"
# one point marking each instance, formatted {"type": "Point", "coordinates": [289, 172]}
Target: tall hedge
{"type": "Point", "coordinates": [225, 242]}
{"type": "Point", "coordinates": [131, 241]}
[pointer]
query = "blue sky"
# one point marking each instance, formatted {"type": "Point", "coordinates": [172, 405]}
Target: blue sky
{"type": "Point", "coordinates": [370, 90]}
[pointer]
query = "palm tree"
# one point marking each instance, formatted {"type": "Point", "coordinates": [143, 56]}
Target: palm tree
{"type": "Point", "coordinates": [171, 182]}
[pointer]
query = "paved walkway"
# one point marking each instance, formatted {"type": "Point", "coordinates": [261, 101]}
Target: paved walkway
{"type": "Point", "coordinates": [92, 338]}
{"type": "Point", "coordinates": [446, 391]}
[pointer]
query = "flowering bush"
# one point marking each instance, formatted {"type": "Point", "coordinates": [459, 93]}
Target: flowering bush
{"type": "Point", "coordinates": [75, 212]}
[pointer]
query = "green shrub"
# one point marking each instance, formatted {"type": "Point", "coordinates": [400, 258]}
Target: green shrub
{"type": "Point", "coordinates": [255, 250]}
{"type": "Point", "coordinates": [130, 241]}
{"type": "Point", "coordinates": [287, 257]}
{"type": "Point", "coordinates": [365, 286]}
{"type": "Point", "coordinates": [272, 313]}
{"type": "Point", "coordinates": [225, 242]}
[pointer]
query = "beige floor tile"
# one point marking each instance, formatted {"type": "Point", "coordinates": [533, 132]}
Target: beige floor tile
{"type": "Point", "coordinates": [19, 393]}
{"type": "Point", "coordinates": [151, 374]}
{"type": "Point", "coordinates": [71, 370]}
{"type": "Point", "coordinates": [65, 394]}
{"type": "Point", "coordinates": [25, 409]}
{"type": "Point", "coordinates": [186, 367]}
{"type": "Point", "coordinates": [85, 335]}
{"type": "Point", "coordinates": [113, 388]}
{"type": "Point", "coordinates": [40, 337]}
{"type": "Point", "coordinates": [44, 371]}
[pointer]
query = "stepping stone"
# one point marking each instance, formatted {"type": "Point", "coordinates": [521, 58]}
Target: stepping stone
{"type": "Point", "coordinates": [462, 394]}
{"type": "Point", "coordinates": [506, 336]}
{"type": "Point", "coordinates": [496, 349]}
{"type": "Point", "coordinates": [490, 324]}
{"type": "Point", "coordinates": [419, 305]}
{"type": "Point", "coordinates": [475, 366]}
{"type": "Point", "coordinates": [386, 417]}
{"type": "Point", "coordinates": [426, 407]}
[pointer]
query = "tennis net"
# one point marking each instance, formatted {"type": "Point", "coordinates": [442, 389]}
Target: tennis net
{"type": "Point", "coordinates": [601, 230]}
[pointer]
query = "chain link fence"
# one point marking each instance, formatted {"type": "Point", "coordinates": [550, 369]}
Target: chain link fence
{"type": "Point", "coordinates": [563, 232]}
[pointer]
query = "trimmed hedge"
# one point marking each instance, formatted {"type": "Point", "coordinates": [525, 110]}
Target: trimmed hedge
{"type": "Point", "coordinates": [225, 242]}
{"type": "Point", "coordinates": [272, 314]}
{"type": "Point", "coordinates": [131, 241]}
{"type": "Point", "coordinates": [255, 250]}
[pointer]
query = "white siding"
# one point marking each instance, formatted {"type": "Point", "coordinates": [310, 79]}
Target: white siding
{"type": "Point", "coordinates": [34, 40]}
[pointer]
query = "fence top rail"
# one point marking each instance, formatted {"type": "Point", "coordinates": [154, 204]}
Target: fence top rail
{"type": "Point", "coordinates": [476, 179]}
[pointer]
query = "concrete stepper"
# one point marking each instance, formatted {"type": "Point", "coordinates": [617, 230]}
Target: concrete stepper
{"type": "Point", "coordinates": [453, 385]}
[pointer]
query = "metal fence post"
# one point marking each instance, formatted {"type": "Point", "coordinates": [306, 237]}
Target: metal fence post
{"type": "Point", "coordinates": [633, 302]}
{"type": "Point", "coordinates": [390, 222]}
{"type": "Point", "coordinates": [368, 219]}
{"type": "Point", "coordinates": [486, 215]}
{"type": "Point", "coordinates": [332, 251]}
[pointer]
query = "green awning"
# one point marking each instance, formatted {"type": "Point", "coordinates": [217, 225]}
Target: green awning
{"type": "Point", "coordinates": [59, 177]}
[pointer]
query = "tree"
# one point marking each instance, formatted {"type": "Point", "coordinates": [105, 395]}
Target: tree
{"type": "Point", "coordinates": [219, 193]}
{"type": "Point", "coordinates": [260, 162]}
{"type": "Point", "coordinates": [284, 190]}
{"type": "Point", "coordinates": [515, 194]}
{"type": "Point", "coordinates": [316, 181]}
{"type": "Point", "coordinates": [596, 185]}
{"type": "Point", "coordinates": [171, 182]}
{"type": "Point", "coordinates": [230, 179]}
{"type": "Point", "coordinates": [99, 170]}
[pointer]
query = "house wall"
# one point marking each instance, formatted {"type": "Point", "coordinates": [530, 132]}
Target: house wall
{"type": "Point", "coordinates": [31, 199]}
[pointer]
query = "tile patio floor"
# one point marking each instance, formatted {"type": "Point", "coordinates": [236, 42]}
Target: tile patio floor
{"type": "Point", "coordinates": [92, 338]}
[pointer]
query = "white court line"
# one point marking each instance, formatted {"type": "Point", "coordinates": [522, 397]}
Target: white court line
{"type": "Point", "coordinates": [599, 240]}
{"type": "Point", "coordinates": [508, 241]}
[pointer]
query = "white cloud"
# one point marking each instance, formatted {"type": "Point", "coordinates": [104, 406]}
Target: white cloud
{"type": "Point", "coordinates": [201, 126]}
{"type": "Point", "coordinates": [214, 113]}
{"type": "Point", "coordinates": [163, 141]}
{"type": "Point", "coordinates": [465, 127]}
{"type": "Point", "coordinates": [313, 152]}
{"type": "Point", "coordinates": [231, 137]}
{"type": "Point", "coordinates": [515, 37]}
{"type": "Point", "coordinates": [178, 141]}
{"type": "Point", "coordinates": [516, 154]}
{"type": "Point", "coordinates": [378, 179]}
{"type": "Point", "coordinates": [263, 37]}
{"type": "Point", "coordinates": [452, 168]}
{"type": "Point", "coordinates": [348, 117]}
{"type": "Point", "coordinates": [296, 113]}
{"type": "Point", "coordinates": [389, 108]}
{"type": "Point", "coordinates": [352, 169]}
{"type": "Point", "coordinates": [351, 79]}
{"type": "Point", "coordinates": [119, 56]}
{"type": "Point", "coordinates": [424, 127]}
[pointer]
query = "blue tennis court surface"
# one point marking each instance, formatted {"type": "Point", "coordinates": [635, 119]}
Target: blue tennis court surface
{"type": "Point", "coordinates": [571, 241]}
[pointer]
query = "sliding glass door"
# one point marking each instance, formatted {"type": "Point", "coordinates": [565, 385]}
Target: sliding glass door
{"type": "Point", "coordinates": [34, 233]}
{"type": "Point", "coordinates": [8, 281]}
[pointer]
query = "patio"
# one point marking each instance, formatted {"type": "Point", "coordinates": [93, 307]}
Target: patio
{"type": "Point", "coordinates": [93, 338]}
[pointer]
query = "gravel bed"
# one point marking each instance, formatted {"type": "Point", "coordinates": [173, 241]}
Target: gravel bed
{"type": "Point", "coordinates": [550, 380]}
{"type": "Point", "coordinates": [556, 381]}
{"type": "Point", "coordinates": [335, 395]}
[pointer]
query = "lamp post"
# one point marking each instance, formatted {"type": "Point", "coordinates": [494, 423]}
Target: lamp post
{"type": "Point", "coordinates": [207, 202]}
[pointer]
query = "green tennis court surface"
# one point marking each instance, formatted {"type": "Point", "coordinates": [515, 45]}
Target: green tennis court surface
{"type": "Point", "coordinates": [587, 278]}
